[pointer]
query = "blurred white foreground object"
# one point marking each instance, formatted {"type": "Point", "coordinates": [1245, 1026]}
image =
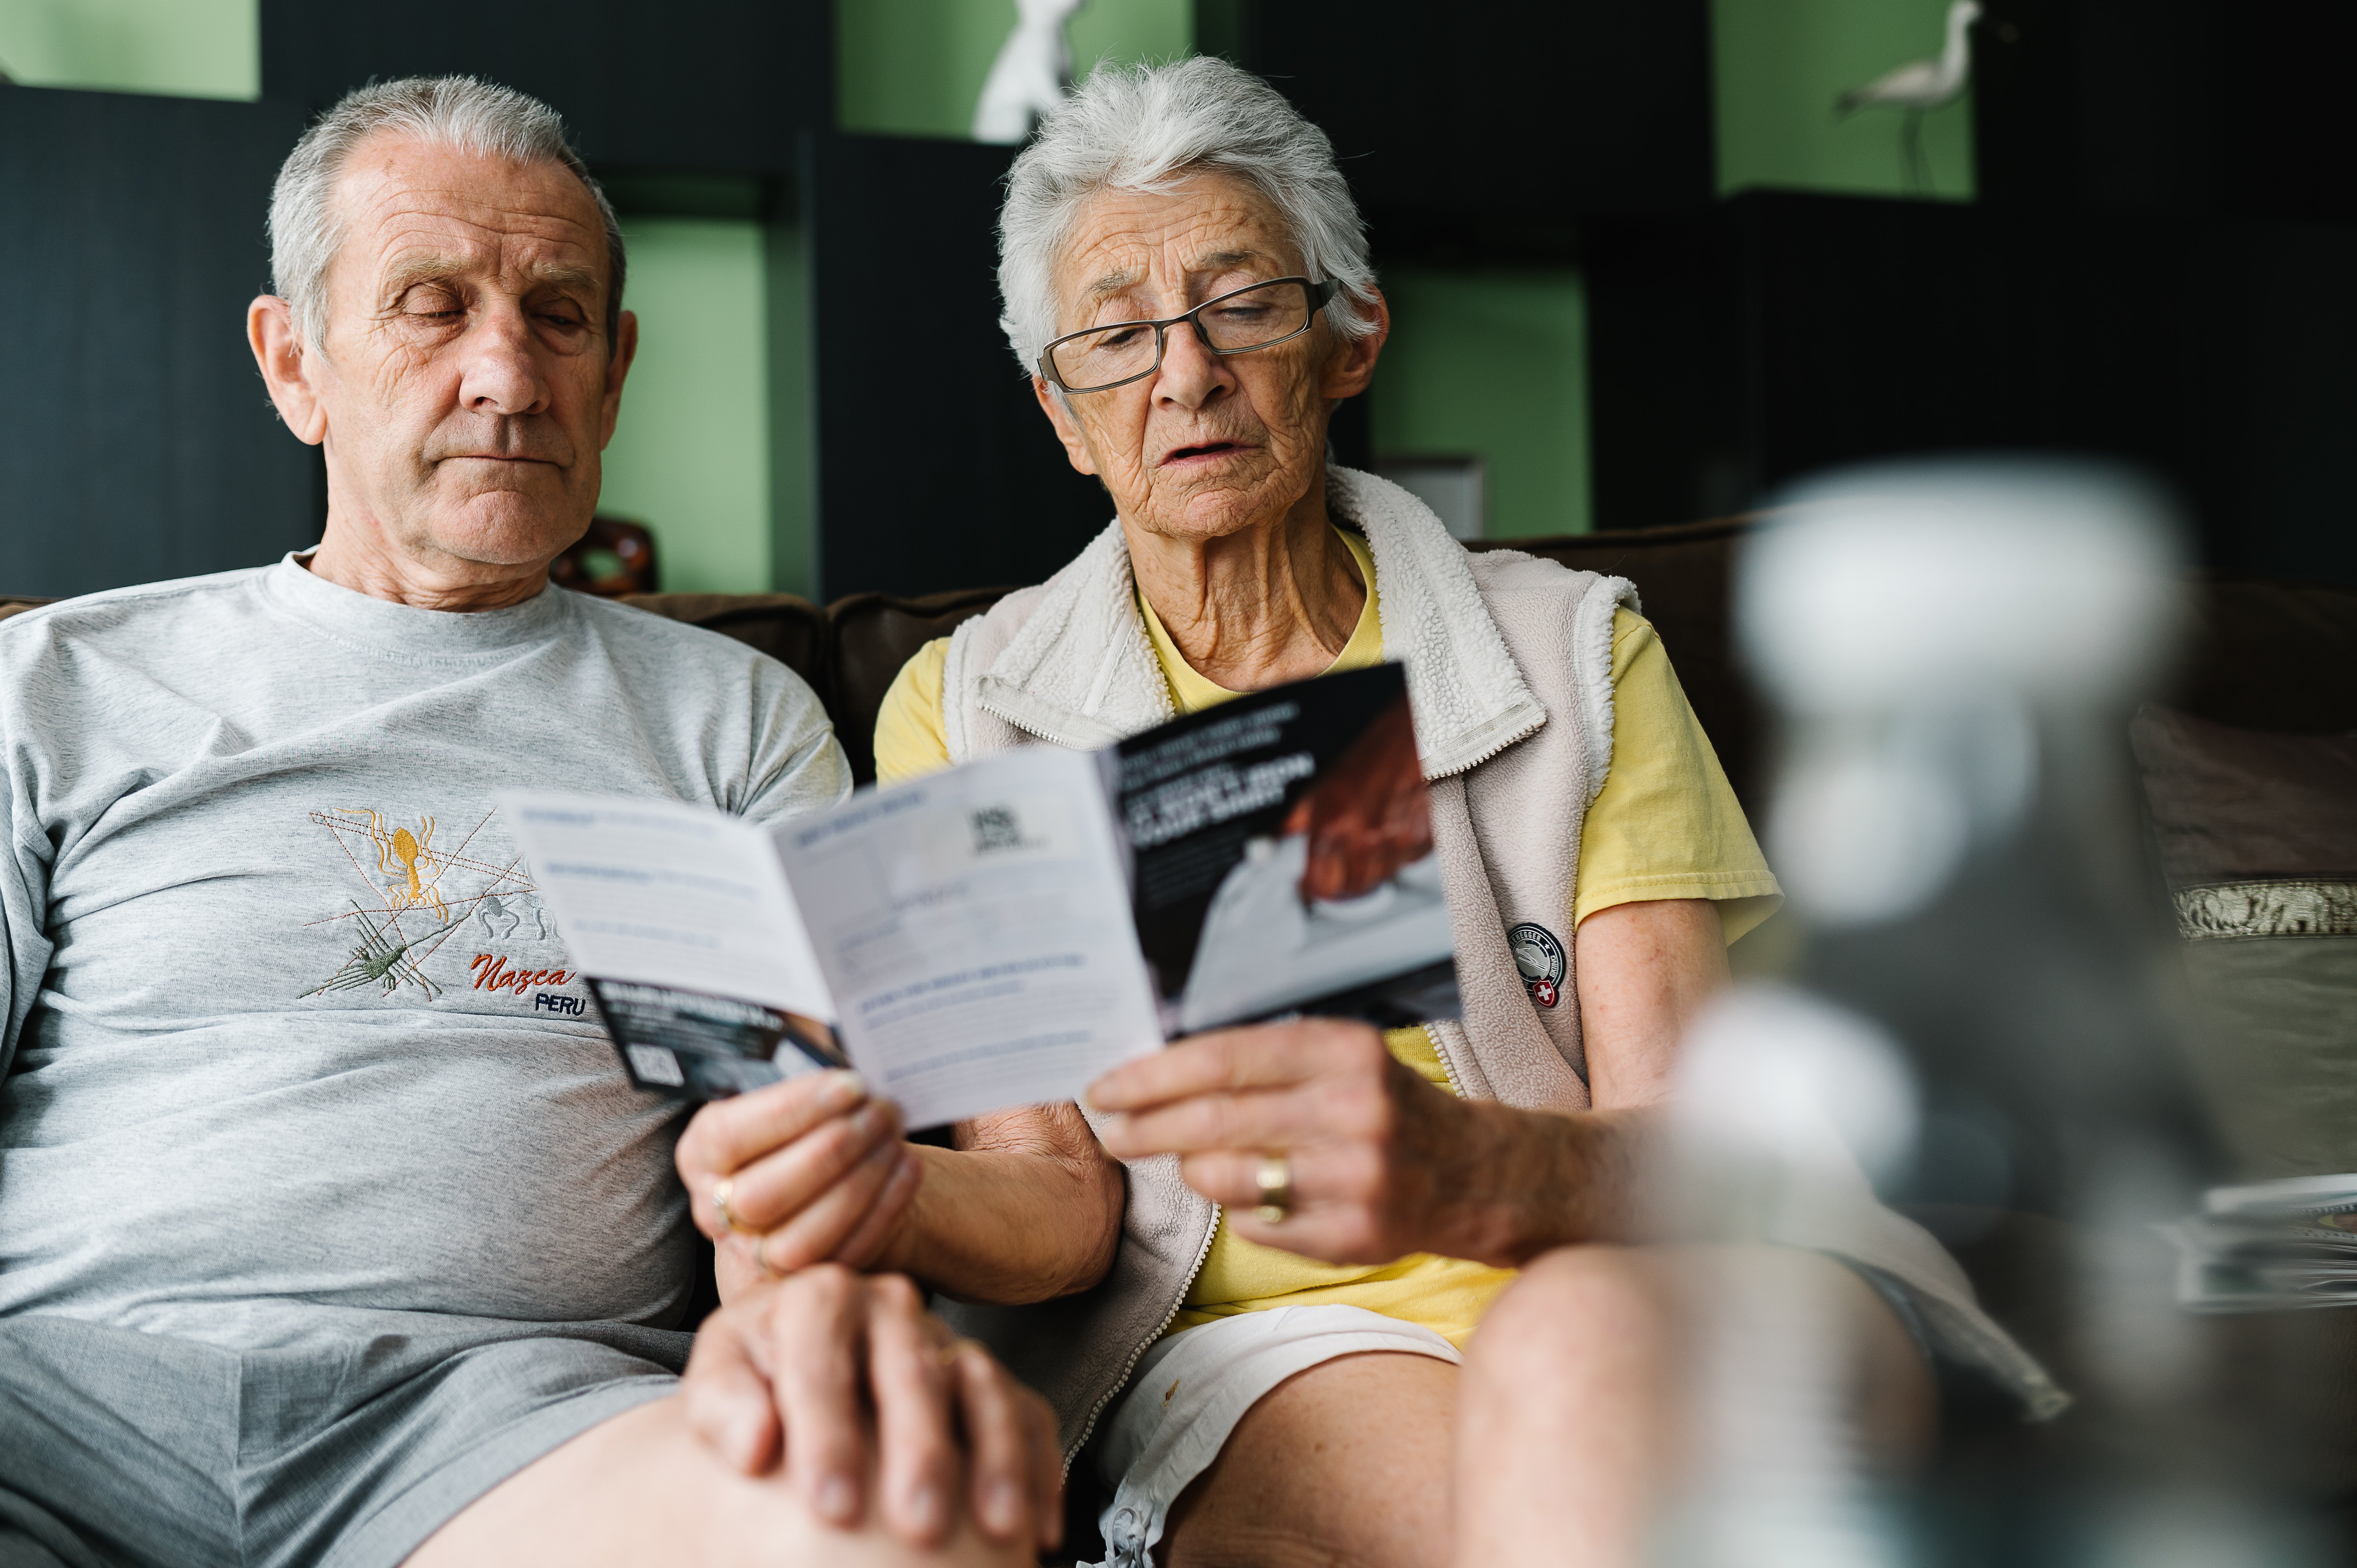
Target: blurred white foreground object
{"type": "Point", "coordinates": [1782, 1105]}
{"type": "Point", "coordinates": [1773, 1076]}
{"type": "Point", "coordinates": [1912, 621]}
{"type": "Point", "coordinates": [1028, 77]}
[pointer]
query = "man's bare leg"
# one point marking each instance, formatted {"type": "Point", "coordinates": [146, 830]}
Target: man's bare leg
{"type": "Point", "coordinates": [642, 1489]}
{"type": "Point", "coordinates": [1571, 1420]}
{"type": "Point", "coordinates": [1346, 1463]}
{"type": "Point", "coordinates": [816, 1410]}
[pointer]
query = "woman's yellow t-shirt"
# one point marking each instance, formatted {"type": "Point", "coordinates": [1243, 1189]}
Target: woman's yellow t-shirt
{"type": "Point", "coordinates": [1664, 825]}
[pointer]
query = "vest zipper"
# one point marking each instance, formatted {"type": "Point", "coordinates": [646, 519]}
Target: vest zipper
{"type": "Point", "coordinates": [1089, 1427]}
{"type": "Point", "coordinates": [1036, 732]}
{"type": "Point", "coordinates": [1440, 1054]}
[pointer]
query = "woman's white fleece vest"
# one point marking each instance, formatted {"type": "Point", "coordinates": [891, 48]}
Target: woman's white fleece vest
{"type": "Point", "coordinates": [1509, 663]}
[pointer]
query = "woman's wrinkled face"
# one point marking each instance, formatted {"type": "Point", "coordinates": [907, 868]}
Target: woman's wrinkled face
{"type": "Point", "coordinates": [1209, 444]}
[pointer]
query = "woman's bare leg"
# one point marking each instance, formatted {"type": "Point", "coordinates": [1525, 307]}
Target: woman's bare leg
{"type": "Point", "coordinates": [1345, 1463]}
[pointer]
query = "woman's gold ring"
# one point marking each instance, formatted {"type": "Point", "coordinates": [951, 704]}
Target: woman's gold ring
{"type": "Point", "coordinates": [722, 1190]}
{"type": "Point", "coordinates": [761, 1262]}
{"type": "Point", "coordinates": [1276, 1183]}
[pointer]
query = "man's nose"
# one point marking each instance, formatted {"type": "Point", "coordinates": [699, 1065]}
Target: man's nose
{"type": "Point", "coordinates": [500, 373]}
{"type": "Point", "coordinates": [1191, 374]}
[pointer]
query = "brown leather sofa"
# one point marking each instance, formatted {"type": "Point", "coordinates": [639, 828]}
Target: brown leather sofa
{"type": "Point", "coordinates": [2266, 653]}
{"type": "Point", "coordinates": [850, 651]}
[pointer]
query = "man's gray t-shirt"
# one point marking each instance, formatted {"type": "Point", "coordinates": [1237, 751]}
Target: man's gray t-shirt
{"type": "Point", "coordinates": [293, 1036]}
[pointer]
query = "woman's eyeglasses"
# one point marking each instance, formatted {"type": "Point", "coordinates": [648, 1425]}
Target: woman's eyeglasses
{"type": "Point", "coordinates": [1260, 316]}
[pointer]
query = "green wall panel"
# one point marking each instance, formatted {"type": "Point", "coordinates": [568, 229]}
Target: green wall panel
{"type": "Point", "coordinates": [1779, 65]}
{"type": "Point", "coordinates": [1129, 31]}
{"type": "Point", "coordinates": [193, 48]}
{"type": "Point", "coordinates": [1493, 363]}
{"type": "Point", "coordinates": [690, 455]}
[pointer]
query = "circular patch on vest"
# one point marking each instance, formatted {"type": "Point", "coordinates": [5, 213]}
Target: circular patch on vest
{"type": "Point", "coordinates": [1539, 956]}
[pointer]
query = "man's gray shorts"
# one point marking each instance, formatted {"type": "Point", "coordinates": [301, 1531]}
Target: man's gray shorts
{"type": "Point", "coordinates": [119, 1448]}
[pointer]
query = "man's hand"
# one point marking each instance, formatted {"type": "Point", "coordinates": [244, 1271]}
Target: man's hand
{"type": "Point", "coordinates": [816, 1172]}
{"type": "Point", "coordinates": [1369, 815]}
{"type": "Point", "coordinates": [1384, 1163]}
{"type": "Point", "coordinates": [792, 1371]}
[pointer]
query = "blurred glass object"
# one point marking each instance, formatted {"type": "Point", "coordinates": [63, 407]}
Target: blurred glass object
{"type": "Point", "coordinates": [1973, 1023]}
{"type": "Point", "coordinates": [1782, 1108]}
{"type": "Point", "coordinates": [1915, 626]}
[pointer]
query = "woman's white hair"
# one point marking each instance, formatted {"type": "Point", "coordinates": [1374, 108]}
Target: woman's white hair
{"type": "Point", "coordinates": [1146, 128]}
{"type": "Point", "coordinates": [306, 222]}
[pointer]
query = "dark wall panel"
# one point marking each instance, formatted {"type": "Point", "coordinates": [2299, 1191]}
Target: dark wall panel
{"type": "Point", "coordinates": [1893, 326]}
{"type": "Point", "coordinates": [2227, 106]}
{"type": "Point", "coordinates": [1666, 387]}
{"type": "Point", "coordinates": [135, 440]}
{"type": "Point", "coordinates": [1491, 126]}
{"type": "Point", "coordinates": [695, 84]}
{"type": "Point", "coordinates": [2280, 367]}
{"type": "Point", "coordinates": [936, 467]}
{"type": "Point", "coordinates": [1795, 333]}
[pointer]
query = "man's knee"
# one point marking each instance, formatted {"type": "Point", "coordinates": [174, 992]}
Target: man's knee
{"type": "Point", "coordinates": [642, 1488]}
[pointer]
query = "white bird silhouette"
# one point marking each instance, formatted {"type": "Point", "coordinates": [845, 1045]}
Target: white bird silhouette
{"type": "Point", "coordinates": [1920, 85]}
{"type": "Point", "coordinates": [1028, 77]}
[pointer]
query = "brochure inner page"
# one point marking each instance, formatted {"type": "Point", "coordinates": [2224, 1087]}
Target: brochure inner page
{"type": "Point", "coordinates": [973, 926]}
{"type": "Point", "coordinates": [682, 919]}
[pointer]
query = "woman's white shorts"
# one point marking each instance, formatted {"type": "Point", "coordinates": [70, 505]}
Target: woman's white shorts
{"type": "Point", "coordinates": [1191, 1388]}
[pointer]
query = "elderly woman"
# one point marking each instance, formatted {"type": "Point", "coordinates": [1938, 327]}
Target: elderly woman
{"type": "Point", "coordinates": [1184, 276]}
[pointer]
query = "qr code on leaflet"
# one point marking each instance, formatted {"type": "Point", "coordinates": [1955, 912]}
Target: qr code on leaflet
{"type": "Point", "coordinates": [995, 827]}
{"type": "Point", "coordinates": [656, 1064]}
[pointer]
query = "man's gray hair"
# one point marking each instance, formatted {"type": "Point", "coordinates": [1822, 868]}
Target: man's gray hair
{"type": "Point", "coordinates": [306, 223]}
{"type": "Point", "coordinates": [1146, 128]}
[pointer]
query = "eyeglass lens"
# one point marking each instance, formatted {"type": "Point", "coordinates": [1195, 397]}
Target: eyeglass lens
{"type": "Point", "coordinates": [1249, 319]}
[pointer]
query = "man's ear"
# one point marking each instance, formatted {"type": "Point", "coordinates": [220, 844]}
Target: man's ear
{"type": "Point", "coordinates": [617, 366]}
{"type": "Point", "coordinates": [1352, 367]}
{"type": "Point", "coordinates": [1068, 429]}
{"type": "Point", "coordinates": [285, 368]}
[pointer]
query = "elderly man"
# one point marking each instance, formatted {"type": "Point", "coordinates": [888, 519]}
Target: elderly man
{"type": "Point", "coordinates": [311, 1250]}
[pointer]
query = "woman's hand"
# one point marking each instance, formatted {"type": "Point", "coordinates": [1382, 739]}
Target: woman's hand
{"type": "Point", "coordinates": [1382, 1163]}
{"type": "Point", "coordinates": [812, 1171]}
{"type": "Point", "coordinates": [862, 1394]}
